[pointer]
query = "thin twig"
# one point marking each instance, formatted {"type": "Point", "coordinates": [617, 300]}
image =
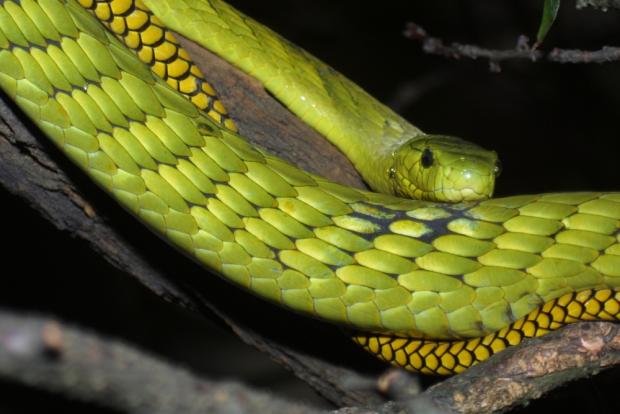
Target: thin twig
{"type": "Point", "coordinates": [522, 51]}
{"type": "Point", "coordinates": [603, 55]}
{"type": "Point", "coordinates": [603, 5]}
{"type": "Point", "coordinates": [436, 46]}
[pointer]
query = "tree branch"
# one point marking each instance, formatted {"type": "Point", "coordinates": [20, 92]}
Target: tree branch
{"type": "Point", "coordinates": [46, 354]}
{"type": "Point", "coordinates": [268, 124]}
{"type": "Point", "coordinates": [525, 373]}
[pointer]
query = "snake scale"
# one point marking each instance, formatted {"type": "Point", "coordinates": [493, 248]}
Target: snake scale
{"type": "Point", "coordinates": [433, 287]}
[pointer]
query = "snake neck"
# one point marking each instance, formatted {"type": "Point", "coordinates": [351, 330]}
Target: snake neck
{"type": "Point", "coordinates": [365, 130]}
{"type": "Point", "coordinates": [375, 160]}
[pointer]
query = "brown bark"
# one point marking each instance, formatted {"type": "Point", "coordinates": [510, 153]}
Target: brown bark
{"type": "Point", "coordinates": [265, 122]}
{"type": "Point", "coordinates": [521, 374]}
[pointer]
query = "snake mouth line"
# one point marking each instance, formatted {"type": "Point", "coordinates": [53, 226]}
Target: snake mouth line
{"type": "Point", "coordinates": [467, 194]}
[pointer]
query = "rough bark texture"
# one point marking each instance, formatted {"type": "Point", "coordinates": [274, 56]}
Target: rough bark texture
{"type": "Point", "coordinates": [265, 122]}
{"type": "Point", "coordinates": [35, 172]}
{"type": "Point", "coordinates": [525, 373]}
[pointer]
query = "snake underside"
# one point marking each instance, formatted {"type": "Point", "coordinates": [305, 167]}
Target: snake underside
{"type": "Point", "coordinates": [432, 287]}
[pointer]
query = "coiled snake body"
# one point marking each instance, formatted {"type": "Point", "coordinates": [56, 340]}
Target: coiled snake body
{"type": "Point", "coordinates": [429, 286]}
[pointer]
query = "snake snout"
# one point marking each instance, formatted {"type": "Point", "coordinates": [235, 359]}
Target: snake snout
{"type": "Point", "coordinates": [475, 184]}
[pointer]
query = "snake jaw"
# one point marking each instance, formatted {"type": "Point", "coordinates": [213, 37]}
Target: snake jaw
{"type": "Point", "coordinates": [468, 194]}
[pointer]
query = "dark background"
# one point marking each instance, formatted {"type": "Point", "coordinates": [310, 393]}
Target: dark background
{"type": "Point", "coordinates": [554, 127]}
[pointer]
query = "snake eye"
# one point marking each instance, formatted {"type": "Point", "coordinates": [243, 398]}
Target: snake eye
{"type": "Point", "coordinates": [427, 158]}
{"type": "Point", "coordinates": [497, 169]}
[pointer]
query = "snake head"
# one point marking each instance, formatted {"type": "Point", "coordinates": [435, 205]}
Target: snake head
{"type": "Point", "coordinates": [443, 168]}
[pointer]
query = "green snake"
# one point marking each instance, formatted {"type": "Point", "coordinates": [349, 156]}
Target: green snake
{"type": "Point", "coordinates": [430, 286]}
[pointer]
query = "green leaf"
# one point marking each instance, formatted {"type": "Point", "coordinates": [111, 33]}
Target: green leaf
{"type": "Point", "coordinates": [550, 11]}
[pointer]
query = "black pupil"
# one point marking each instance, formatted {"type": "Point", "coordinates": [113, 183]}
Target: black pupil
{"type": "Point", "coordinates": [427, 158]}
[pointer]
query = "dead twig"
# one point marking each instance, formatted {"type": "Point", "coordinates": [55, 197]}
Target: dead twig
{"type": "Point", "coordinates": [603, 5]}
{"type": "Point", "coordinates": [522, 51]}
